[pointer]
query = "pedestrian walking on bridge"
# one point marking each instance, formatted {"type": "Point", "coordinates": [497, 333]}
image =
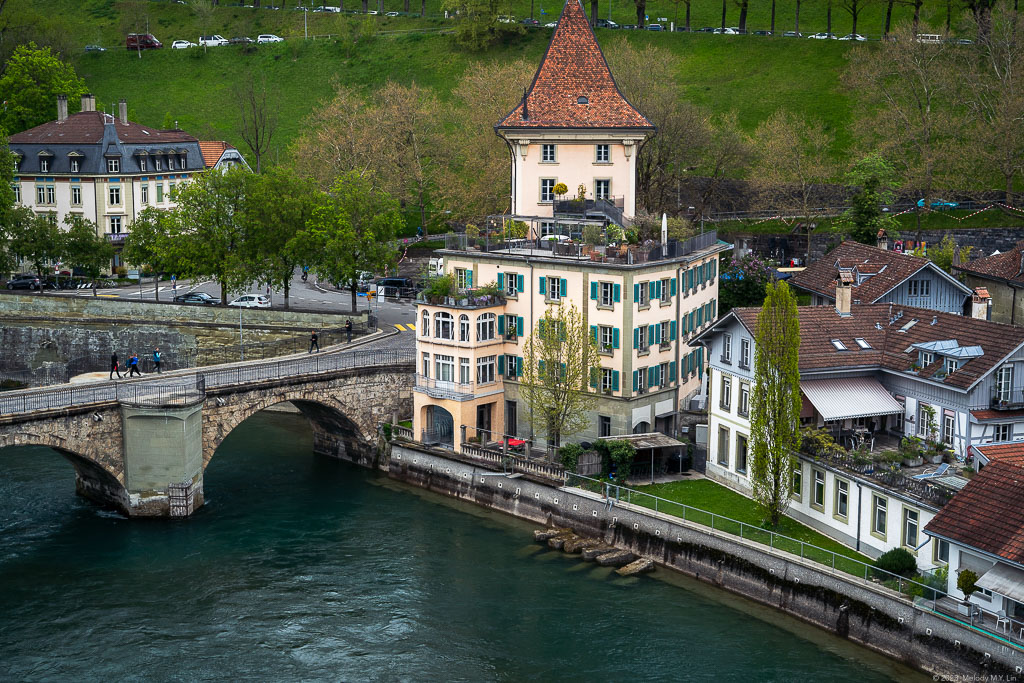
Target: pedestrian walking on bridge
{"type": "Point", "coordinates": [348, 329]}
{"type": "Point", "coordinates": [156, 360]}
{"type": "Point", "coordinates": [314, 340]}
{"type": "Point", "coordinates": [133, 366]}
{"type": "Point", "coordinates": [114, 366]}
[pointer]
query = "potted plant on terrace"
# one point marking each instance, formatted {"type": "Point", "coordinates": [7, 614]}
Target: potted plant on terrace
{"type": "Point", "coordinates": [439, 288]}
{"type": "Point", "coordinates": [911, 450]}
{"type": "Point", "coordinates": [966, 581]}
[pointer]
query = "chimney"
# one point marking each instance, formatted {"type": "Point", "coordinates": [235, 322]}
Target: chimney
{"type": "Point", "coordinates": [981, 304]}
{"type": "Point", "coordinates": [62, 107]}
{"type": "Point", "coordinates": [883, 240]}
{"type": "Point", "coordinates": [88, 103]}
{"type": "Point", "coordinates": [844, 292]}
{"type": "Point", "coordinates": [122, 110]}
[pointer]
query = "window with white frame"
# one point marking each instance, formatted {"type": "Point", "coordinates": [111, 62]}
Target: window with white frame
{"type": "Point", "coordinates": [666, 338]}
{"type": "Point", "coordinates": [464, 370]}
{"type": "Point", "coordinates": [547, 189]}
{"type": "Point", "coordinates": [113, 165]}
{"type": "Point", "coordinates": [444, 326]}
{"type": "Point", "coordinates": [157, 163]}
{"type": "Point", "coordinates": [607, 294]}
{"type": "Point", "coordinates": [485, 369]}
{"type": "Point", "coordinates": [461, 278]}
{"type": "Point", "coordinates": [841, 506]}
{"type": "Point", "coordinates": [44, 165]}
{"type": "Point", "coordinates": [666, 290]}
{"type": "Point", "coordinates": [425, 325]}
{"type": "Point", "coordinates": [485, 327]}
{"type": "Point", "coordinates": [941, 551]}
{"type": "Point", "coordinates": [142, 163]}
{"type": "Point", "coordinates": [641, 379]}
{"type": "Point", "coordinates": [741, 453]}
{"type": "Point", "coordinates": [951, 365]}
{"type": "Point", "coordinates": [606, 379]}
{"type": "Point", "coordinates": [642, 341]}
{"type": "Point", "coordinates": [75, 165]}
{"type": "Point", "coordinates": [51, 195]}
{"type": "Point", "coordinates": [554, 289]}
{"type": "Point", "coordinates": [17, 192]}
{"type": "Point", "coordinates": [602, 188]}
{"type": "Point", "coordinates": [40, 194]}
{"type": "Point", "coordinates": [723, 446]}
{"type": "Point", "coordinates": [948, 428]}
{"type": "Point", "coordinates": [444, 368]}
{"type": "Point", "coordinates": [463, 328]}
{"type": "Point", "coordinates": [603, 154]}
{"type": "Point", "coordinates": [171, 162]}
{"type": "Point", "coordinates": [727, 348]}
{"type": "Point", "coordinates": [879, 515]}
{"type": "Point", "coordinates": [744, 406]}
{"type": "Point", "coordinates": [745, 353]}
{"type": "Point", "coordinates": [1004, 383]}
{"type": "Point", "coordinates": [725, 398]}
{"type": "Point", "coordinates": [798, 480]}
{"type": "Point", "coordinates": [911, 520]}
{"type": "Point", "coordinates": [547, 153]}
{"type": "Point", "coordinates": [76, 195]}
{"type": "Point", "coordinates": [114, 195]}
{"type": "Point", "coordinates": [511, 285]}
{"type": "Point", "coordinates": [606, 338]}
{"type": "Point", "coordinates": [818, 492]}
{"type": "Point", "coordinates": [1003, 432]}
{"type": "Point", "coordinates": [927, 358]}
{"type": "Point", "coordinates": [511, 366]}
{"type": "Point", "coordinates": [920, 288]}
{"type": "Point", "coordinates": [115, 224]}
{"type": "Point", "coordinates": [425, 367]}
{"type": "Point", "coordinates": [144, 193]}
{"type": "Point", "coordinates": [642, 293]}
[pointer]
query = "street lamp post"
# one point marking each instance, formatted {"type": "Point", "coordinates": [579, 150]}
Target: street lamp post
{"type": "Point", "coordinates": [241, 343]}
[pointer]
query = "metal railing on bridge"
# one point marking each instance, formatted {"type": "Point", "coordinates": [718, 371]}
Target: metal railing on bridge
{"type": "Point", "coordinates": [151, 391]}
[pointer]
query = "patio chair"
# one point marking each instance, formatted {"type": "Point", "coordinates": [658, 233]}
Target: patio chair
{"type": "Point", "coordinates": [932, 475]}
{"type": "Point", "coordinates": [1002, 619]}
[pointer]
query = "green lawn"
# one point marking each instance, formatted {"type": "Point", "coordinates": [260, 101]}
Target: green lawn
{"type": "Point", "coordinates": [710, 497]}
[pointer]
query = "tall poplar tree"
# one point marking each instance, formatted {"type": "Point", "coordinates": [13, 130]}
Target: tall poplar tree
{"type": "Point", "coordinates": [775, 403]}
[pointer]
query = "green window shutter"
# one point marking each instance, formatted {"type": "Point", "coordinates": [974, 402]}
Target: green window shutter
{"type": "Point", "coordinates": [562, 288]}
{"type": "Point", "coordinates": [543, 285]}
{"type": "Point", "coordinates": [540, 368]}
{"type": "Point", "coordinates": [684, 367]}
{"type": "Point", "coordinates": [636, 337]}
{"type": "Point", "coordinates": [683, 326]}
{"type": "Point", "coordinates": [519, 366]}
{"type": "Point", "coordinates": [501, 281]}
{"type": "Point", "coordinates": [693, 276]}
{"type": "Point", "coordinates": [561, 371]}
{"type": "Point", "coordinates": [671, 372]}
{"type": "Point", "coordinates": [672, 331]}
{"type": "Point", "coordinates": [615, 337]}
{"type": "Point", "coordinates": [519, 283]}
{"type": "Point", "coordinates": [501, 324]}
{"type": "Point", "coordinates": [594, 375]}
{"type": "Point", "coordinates": [650, 376]}
{"type": "Point", "coordinates": [700, 362]}
{"type": "Point", "coordinates": [636, 380]}
{"type": "Point", "coordinates": [652, 287]}
{"type": "Point", "coordinates": [501, 364]}
{"type": "Point", "coordinates": [593, 291]}
{"type": "Point", "coordinates": [520, 330]}
{"type": "Point", "coordinates": [469, 279]}
{"type": "Point", "coordinates": [700, 316]}
{"type": "Point", "coordinates": [616, 293]}
{"type": "Point", "coordinates": [714, 268]}
{"type": "Point", "coordinates": [714, 308]}
{"type": "Point", "coordinates": [636, 293]}
{"type": "Point", "coordinates": [615, 380]}
{"type": "Point", "coordinates": [650, 334]}
{"type": "Point", "coordinates": [693, 320]}
{"type": "Point", "coordinates": [561, 329]}
{"type": "Point", "coordinates": [593, 333]}
{"type": "Point", "coordinates": [672, 292]}
{"type": "Point", "coordinates": [540, 328]}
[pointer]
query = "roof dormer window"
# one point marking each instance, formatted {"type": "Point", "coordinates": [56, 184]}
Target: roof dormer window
{"type": "Point", "coordinates": [44, 165]}
{"type": "Point", "coordinates": [582, 99]}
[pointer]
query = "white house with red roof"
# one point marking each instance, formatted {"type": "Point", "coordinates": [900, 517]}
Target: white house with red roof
{"type": "Point", "coordinates": [221, 155]}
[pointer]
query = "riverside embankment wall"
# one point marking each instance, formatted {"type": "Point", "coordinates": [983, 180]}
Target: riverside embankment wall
{"type": "Point", "coordinates": [847, 606]}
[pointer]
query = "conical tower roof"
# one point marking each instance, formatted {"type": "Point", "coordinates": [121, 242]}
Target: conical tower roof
{"type": "Point", "coordinates": [574, 88]}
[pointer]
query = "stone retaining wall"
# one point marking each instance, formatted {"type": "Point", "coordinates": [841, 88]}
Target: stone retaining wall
{"type": "Point", "coordinates": [847, 606]}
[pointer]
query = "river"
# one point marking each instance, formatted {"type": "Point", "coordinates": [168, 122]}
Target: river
{"type": "Point", "coordinates": [303, 567]}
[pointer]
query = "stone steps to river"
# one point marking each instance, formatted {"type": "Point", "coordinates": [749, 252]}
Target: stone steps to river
{"type": "Point", "coordinates": [615, 558]}
{"type": "Point", "coordinates": [641, 566]}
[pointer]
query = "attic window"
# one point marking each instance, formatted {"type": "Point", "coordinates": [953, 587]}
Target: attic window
{"type": "Point", "coordinates": [582, 99]}
{"type": "Point", "coordinates": [840, 346]}
{"type": "Point", "coordinates": [862, 343]}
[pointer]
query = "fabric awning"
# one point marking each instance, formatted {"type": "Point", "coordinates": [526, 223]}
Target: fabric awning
{"type": "Point", "coordinates": [1005, 580]}
{"type": "Point", "coordinates": [850, 397]}
{"type": "Point", "coordinates": [648, 440]}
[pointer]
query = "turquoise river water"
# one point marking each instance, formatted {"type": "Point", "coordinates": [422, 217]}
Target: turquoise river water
{"type": "Point", "coordinates": [303, 567]}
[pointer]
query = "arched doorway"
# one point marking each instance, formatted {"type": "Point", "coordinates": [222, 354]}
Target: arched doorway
{"type": "Point", "coordinates": [440, 427]}
{"type": "Point", "coordinates": [642, 428]}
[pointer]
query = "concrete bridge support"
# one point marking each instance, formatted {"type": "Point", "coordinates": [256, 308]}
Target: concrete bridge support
{"type": "Point", "coordinates": [163, 454]}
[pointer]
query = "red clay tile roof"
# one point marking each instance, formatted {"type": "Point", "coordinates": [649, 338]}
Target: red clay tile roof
{"type": "Point", "coordinates": [819, 325]}
{"type": "Point", "coordinates": [1011, 453]}
{"type": "Point", "coordinates": [1006, 266]}
{"type": "Point", "coordinates": [212, 151]}
{"type": "Point", "coordinates": [574, 67]}
{"type": "Point", "coordinates": [87, 127]}
{"type": "Point", "coordinates": [996, 414]}
{"type": "Point", "coordinates": [890, 268]}
{"type": "Point", "coordinates": [988, 513]}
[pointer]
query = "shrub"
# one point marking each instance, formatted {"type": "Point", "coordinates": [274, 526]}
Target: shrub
{"type": "Point", "coordinates": [633, 236]}
{"type": "Point", "coordinates": [967, 581]}
{"type": "Point", "coordinates": [569, 455]}
{"type": "Point", "coordinates": [122, 271]}
{"type": "Point", "coordinates": [439, 287]}
{"type": "Point", "coordinates": [592, 234]}
{"type": "Point", "coordinates": [618, 453]}
{"type": "Point", "coordinates": [897, 561]}
{"type": "Point", "coordinates": [614, 233]}
{"type": "Point", "coordinates": [560, 189]}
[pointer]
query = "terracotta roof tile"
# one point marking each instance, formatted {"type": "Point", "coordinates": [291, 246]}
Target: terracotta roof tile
{"type": "Point", "coordinates": [997, 414]}
{"type": "Point", "coordinates": [890, 268]}
{"type": "Point", "coordinates": [574, 67]}
{"type": "Point", "coordinates": [1007, 266]}
{"type": "Point", "coordinates": [819, 325]}
{"type": "Point", "coordinates": [87, 128]}
{"type": "Point", "coordinates": [212, 151]}
{"type": "Point", "coordinates": [1012, 453]}
{"type": "Point", "coordinates": [988, 513]}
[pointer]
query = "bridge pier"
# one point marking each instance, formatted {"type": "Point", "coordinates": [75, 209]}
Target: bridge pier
{"type": "Point", "coordinates": [163, 457]}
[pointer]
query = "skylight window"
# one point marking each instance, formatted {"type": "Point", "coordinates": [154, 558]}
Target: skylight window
{"type": "Point", "coordinates": [862, 343]}
{"type": "Point", "coordinates": [582, 99]}
{"type": "Point", "coordinates": [840, 346]}
{"type": "Point", "coordinates": [913, 321]}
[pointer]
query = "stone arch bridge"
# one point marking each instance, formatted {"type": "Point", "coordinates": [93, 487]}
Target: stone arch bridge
{"type": "Point", "coordinates": [142, 446]}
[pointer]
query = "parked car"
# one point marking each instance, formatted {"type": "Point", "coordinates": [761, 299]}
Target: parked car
{"type": "Point", "coordinates": [792, 34]}
{"type": "Point", "coordinates": [706, 29]}
{"type": "Point", "coordinates": [725, 31]}
{"type": "Point", "coordinates": [182, 45]}
{"type": "Point", "coordinates": [241, 40]}
{"type": "Point", "coordinates": [606, 23]}
{"type": "Point", "coordinates": [682, 29]}
{"type": "Point", "coordinates": [939, 204]}
{"type": "Point", "coordinates": [928, 38]}
{"type": "Point", "coordinates": [142, 41]}
{"type": "Point", "coordinates": [25, 281]}
{"type": "Point", "coordinates": [854, 36]}
{"type": "Point", "coordinates": [213, 41]}
{"type": "Point", "coordinates": [529, 22]}
{"type": "Point", "coordinates": [197, 298]}
{"type": "Point", "coordinates": [95, 48]}
{"type": "Point", "coordinates": [822, 36]}
{"type": "Point", "coordinates": [394, 286]}
{"type": "Point", "coordinates": [251, 301]}
{"type": "Point", "coordinates": [389, 14]}
{"type": "Point", "coordinates": [628, 27]}
{"type": "Point", "coordinates": [268, 38]}
{"type": "Point", "coordinates": [655, 27]}
{"type": "Point", "coordinates": [551, 24]}
{"type": "Point", "coordinates": [762, 33]}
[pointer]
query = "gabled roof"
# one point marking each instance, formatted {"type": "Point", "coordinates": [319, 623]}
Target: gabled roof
{"type": "Point", "coordinates": [86, 127]}
{"type": "Point", "coordinates": [573, 68]}
{"type": "Point", "coordinates": [1005, 266]}
{"type": "Point", "coordinates": [988, 513]}
{"type": "Point", "coordinates": [889, 268]}
{"type": "Point", "coordinates": [1011, 453]}
{"type": "Point", "coordinates": [891, 333]}
{"type": "Point", "coordinates": [212, 151]}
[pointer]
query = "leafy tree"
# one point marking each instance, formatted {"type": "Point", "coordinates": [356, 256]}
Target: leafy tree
{"type": "Point", "coordinates": [7, 260]}
{"type": "Point", "coordinates": [35, 238]}
{"type": "Point", "coordinates": [559, 361]}
{"type": "Point", "coordinates": [84, 249]}
{"type": "Point", "coordinates": [31, 81]}
{"type": "Point", "coordinates": [874, 178]}
{"type": "Point", "coordinates": [351, 229]}
{"type": "Point", "coordinates": [278, 206]}
{"type": "Point", "coordinates": [257, 116]}
{"type": "Point", "coordinates": [775, 402]}
{"type": "Point", "coordinates": [478, 23]}
{"type": "Point", "coordinates": [742, 283]}
{"type": "Point", "coordinates": [151, 242]}
{"type": "Point", "coordinates": [947, 253]}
